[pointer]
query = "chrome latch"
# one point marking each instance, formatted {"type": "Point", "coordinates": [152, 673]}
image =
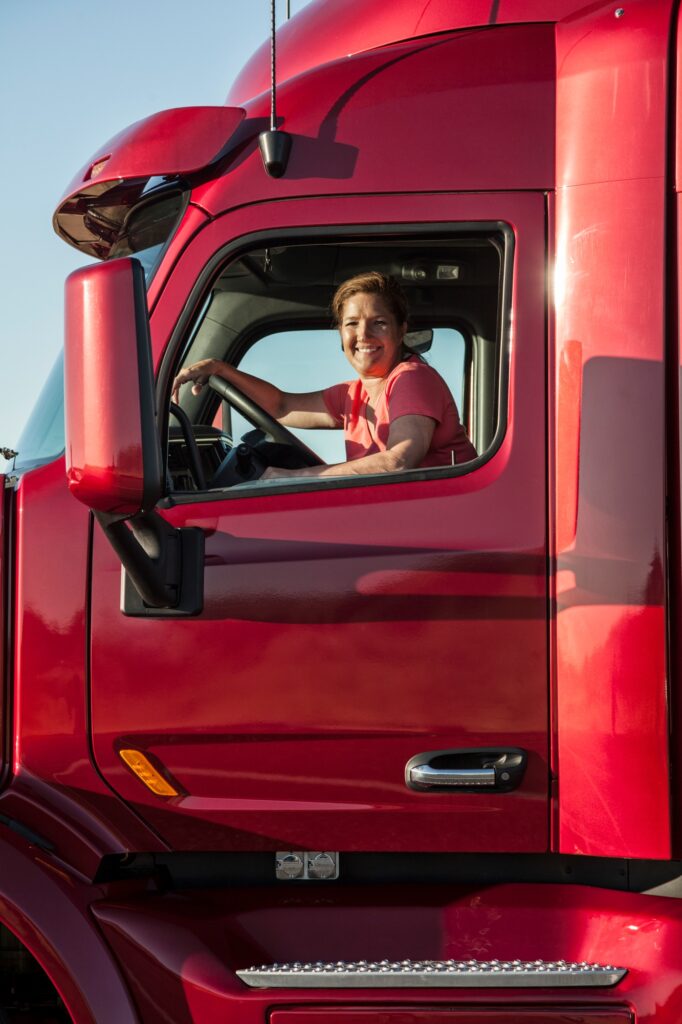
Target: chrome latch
{"type": "Point", "coordinates": [306, 865]}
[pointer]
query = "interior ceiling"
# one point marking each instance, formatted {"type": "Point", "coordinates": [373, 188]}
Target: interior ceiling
{"type": "Point", "coordinates": [309, 274]}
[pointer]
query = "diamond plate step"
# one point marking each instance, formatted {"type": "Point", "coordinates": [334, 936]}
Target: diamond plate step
{"type": "Point", "coordinates": [433, 973]}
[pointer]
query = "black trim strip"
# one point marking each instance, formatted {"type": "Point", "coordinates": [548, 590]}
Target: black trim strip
{"type": "Point", "coordinates": [152, 468]}
{"type": "Point", "coordinates": [215, 869]}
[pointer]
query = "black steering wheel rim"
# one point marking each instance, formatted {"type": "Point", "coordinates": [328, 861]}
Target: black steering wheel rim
{"type": "Point", "coordinates": [257, 415]}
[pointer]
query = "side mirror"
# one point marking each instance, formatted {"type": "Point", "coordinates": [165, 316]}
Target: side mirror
{"type": "Point", "coordinates": [113, 455]}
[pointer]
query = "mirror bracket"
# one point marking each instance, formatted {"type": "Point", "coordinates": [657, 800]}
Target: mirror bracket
{"type": "Point", "coordinates": [163, 566]}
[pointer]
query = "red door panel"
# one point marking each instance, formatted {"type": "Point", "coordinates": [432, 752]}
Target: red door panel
{"type": "Point", "coordinates": [345, 631]}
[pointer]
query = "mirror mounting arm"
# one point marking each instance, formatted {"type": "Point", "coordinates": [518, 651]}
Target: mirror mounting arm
{"type": "Point", "coordinates": [163, 566]}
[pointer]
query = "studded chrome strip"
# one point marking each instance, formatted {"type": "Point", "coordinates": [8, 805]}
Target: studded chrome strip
{"type": "Point", "coordinates": [436, 973]}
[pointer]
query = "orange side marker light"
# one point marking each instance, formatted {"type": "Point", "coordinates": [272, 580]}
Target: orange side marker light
{"type": "Point", "coordinates": [147, 773]}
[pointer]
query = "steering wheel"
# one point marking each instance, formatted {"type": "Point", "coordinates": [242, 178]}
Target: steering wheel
{"type": "Point", "coordinates": [256, 415]}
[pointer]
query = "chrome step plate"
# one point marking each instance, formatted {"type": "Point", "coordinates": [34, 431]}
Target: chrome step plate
{"type": "Point", "coordinates": [433, 973]}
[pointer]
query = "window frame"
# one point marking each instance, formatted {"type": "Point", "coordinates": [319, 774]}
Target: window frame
{"type": "Point", "coordinates": [194, 308]}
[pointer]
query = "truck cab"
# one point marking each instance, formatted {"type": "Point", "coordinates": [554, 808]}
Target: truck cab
{"type": "Point", "coordinates": [393, 748]}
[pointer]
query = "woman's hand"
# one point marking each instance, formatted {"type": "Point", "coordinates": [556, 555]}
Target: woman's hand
{"type": "Point", "coordinates": [198, 373]}
{"type": "Point", "coordinates": [291, 409]}
{"type": "Point", "coordinates": [274, 473]}
{"type": "Point", "coordinates": [409, 439]}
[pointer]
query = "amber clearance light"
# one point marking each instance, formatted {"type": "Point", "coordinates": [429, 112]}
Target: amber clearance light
{"type": "Point", "coordinates": [147, 773]}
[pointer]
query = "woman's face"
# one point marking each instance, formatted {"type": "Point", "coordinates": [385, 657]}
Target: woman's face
{"type": "Point", "coordinates": [372, 338]}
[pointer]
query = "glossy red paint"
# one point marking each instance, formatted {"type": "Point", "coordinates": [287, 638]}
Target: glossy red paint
{"type": "Point", "coordinates": [170, 143]}
{"type": "Point", "coordinates": [609, 296]}
{"type": "Point", "coordinates": [341, 578]}
{"type": "Point", "coordinates": [329, 30]}
{"type": "Point", "coordinates": [359, 124]}
{"type": "Point", "coordinates": [105, 467]}
{"type": "Point", "coordinates": [180, 952]}
{"type": "Point", "coordinates": [674, 442]}
{"type": "Point", "coordinates": [271, 749]}
{"type": "Point", "coordinates": [45, 905]}
{"type": "Point", "coordinates": [55, 790]}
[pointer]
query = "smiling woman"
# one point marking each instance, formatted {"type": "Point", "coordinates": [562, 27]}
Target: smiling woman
{"type": "Point", "coordinates": [397, 415]}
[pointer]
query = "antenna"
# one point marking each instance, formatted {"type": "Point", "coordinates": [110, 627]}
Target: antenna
{"type": "Point", "coordinates": [275, 145]}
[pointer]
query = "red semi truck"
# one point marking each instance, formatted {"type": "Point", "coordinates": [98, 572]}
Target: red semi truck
{"type": "Point", "coordinates": [395, 749]}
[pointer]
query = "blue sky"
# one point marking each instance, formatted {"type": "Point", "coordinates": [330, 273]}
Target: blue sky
{"type": "Point", "coordinates": [72, 74]}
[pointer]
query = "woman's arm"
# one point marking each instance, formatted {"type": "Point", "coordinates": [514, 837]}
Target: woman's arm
{"type": "Point", "coordinates": [291, 409]}
{"type": "Point", "coordinates": [408, 442]}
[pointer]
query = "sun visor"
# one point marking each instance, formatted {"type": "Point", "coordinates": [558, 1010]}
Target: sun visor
{"type": "Point", "coordinates": [171, 144]}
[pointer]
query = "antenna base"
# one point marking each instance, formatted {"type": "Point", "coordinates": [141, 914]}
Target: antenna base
{"type": "Point", "coordinates": [275, 147]}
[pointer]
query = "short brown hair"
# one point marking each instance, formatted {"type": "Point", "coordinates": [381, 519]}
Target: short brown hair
{"type": "Point", "coordinates": [374, 283]}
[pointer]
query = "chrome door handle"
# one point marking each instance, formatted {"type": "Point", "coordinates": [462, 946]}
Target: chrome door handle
{"type": "Point", "coordinates": [469, 770]}
{"type": "Point", "coordinates": [425, 775]}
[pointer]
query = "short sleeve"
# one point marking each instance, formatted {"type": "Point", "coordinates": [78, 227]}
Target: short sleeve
{"type": "Point", "coordinates": [335, 400]}
{"type": "Point", "coordinates": [418, 391]}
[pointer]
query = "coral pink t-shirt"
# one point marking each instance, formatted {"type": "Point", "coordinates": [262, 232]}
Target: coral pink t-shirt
{"type": "Point", "coordinates": [413, 388]}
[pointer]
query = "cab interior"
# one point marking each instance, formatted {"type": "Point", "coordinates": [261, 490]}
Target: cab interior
{"type": "Point", "coordinates": [268, 312]}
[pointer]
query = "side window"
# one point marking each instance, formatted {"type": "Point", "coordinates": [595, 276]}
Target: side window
{"type": "Point", "coordinates": [268, 315]}
{"type": "Point", "coordinates": [42, 438]}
